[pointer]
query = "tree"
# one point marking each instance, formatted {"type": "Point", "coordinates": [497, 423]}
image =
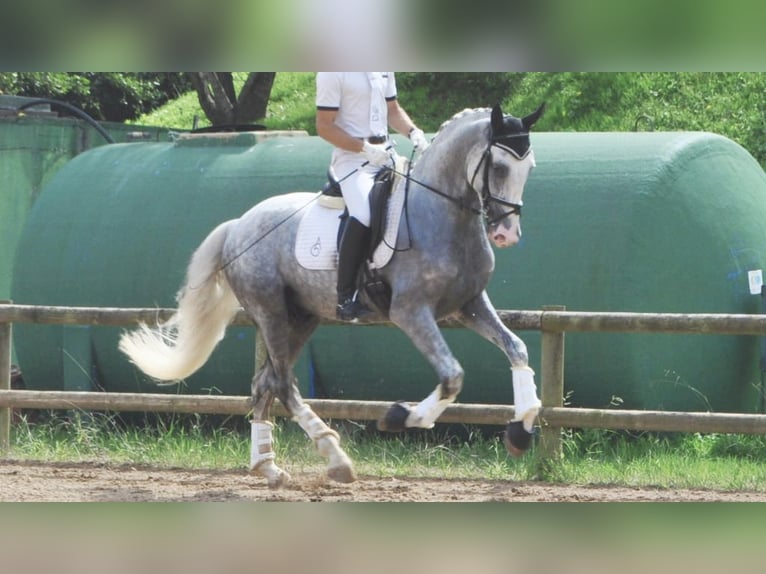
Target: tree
{"type": "Point", "coordinates": [219, 100]}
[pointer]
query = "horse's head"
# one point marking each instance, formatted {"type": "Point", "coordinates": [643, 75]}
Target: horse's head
{"type": "Point", "coordinates": [500, 171]}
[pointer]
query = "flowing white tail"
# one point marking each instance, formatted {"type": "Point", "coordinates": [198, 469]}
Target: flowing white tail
{"type": "Point", "coordinates": [206, 306]}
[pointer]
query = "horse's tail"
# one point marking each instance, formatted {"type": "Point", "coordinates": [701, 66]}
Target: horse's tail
{"type": "Point", "coordinates": [206, 306]}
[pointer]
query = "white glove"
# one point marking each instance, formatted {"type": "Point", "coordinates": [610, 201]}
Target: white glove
{"type": "Point", "coordinates": [376, 155]}
{"type": "Point", "coordinates": [418, 139]}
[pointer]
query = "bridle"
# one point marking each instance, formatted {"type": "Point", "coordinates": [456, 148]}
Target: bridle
{"type": "Point", "coordinates": [486, 193]}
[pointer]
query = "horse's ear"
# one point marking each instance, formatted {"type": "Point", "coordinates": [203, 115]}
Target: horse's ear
{"type": "Point", "coordinates": [532, 118]}
{"type": "Point", "coordinates": [498, 121]}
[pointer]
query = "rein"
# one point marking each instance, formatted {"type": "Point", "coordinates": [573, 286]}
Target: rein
{"type": "Point", "coordinates": [461, 203]}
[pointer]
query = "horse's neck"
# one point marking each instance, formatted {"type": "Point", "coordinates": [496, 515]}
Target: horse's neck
{"type": "Point", "coordinates": [445, 171]}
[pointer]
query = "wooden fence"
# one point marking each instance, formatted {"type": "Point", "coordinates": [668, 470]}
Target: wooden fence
{"type": "Point", "coordinates": [553, 322]}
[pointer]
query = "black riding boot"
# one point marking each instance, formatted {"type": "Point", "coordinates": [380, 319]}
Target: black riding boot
{"type": "Point", "coordinates": [351, 252]}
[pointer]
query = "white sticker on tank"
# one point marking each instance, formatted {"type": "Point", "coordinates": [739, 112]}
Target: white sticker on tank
{"type": "Point", "coordinates": [755, 279]}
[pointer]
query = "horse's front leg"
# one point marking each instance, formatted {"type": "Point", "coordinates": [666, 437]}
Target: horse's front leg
{"type": "Point", "coordinates": [421, 327]}
{"type": "Point", "coordinates": [480, 316]}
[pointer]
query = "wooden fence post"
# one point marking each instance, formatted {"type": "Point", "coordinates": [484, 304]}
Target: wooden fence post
{"type": "Point", "coordinates": [552, 385]}
{"type": "Point", "coordinates": [5, 383]}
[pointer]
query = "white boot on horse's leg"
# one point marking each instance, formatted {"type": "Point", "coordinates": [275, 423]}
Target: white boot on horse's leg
{"type": "Point", "coordinates": [426, 412]}
{"type": "Point", "coordinates": [339, 465]}
{"type": "Point", "coordinates": [262, 455]}
{"type": "Point", "coordinates": [518, 433]}
{"type": "Point", "coordinates": [525, 400]}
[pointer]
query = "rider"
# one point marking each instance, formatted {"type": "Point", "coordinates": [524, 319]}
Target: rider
{"type": "Point", "coordinates": [354, 111]}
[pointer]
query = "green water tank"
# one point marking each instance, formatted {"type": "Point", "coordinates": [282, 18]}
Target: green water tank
{"type": "Point", "coordinates": [32, 148]}
{"type": "Point", "coordinates": [653, 222]}
{"type": "Point", "coordinates": [116, 227]}
{"type": "Point", "coordinates": [640, 222]}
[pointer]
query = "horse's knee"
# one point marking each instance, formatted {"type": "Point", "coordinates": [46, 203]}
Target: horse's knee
{"type": "Point", "coordinates": [452, 384]}
{"type": "Point", "coordinates": [516, 350]}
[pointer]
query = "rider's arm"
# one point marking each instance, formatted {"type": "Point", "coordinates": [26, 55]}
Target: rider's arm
{"type": "Point", "coordinates": [398, 118]}
{"type": "Point", "coordinates": [329, 131]}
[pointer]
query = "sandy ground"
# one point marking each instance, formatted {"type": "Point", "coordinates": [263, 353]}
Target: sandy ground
{"type": "Point", "coordinates": [91, 482]}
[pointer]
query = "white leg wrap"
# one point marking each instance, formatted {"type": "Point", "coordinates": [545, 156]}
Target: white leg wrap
{"type": "Point", "coordinates": [312, 424]}
{"type": "Point", "coordinates": [260, 443]}
{"type": "Point", "coordinates": [525, 400]}
{"type": "Point", "coordinates": [426, 412]}
{"type": "Point", "coordinates": [327, 442]}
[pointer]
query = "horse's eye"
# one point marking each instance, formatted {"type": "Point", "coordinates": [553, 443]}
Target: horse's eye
{"type": "Point", "coordinates": [500, 171]}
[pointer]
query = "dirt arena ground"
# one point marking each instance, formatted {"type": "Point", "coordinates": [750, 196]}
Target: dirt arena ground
{"type": "Point", "coordinates": [22, 481]}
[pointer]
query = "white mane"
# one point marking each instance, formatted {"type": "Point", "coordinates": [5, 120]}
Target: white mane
{"type": "Point", "coordinates": [458, 116]}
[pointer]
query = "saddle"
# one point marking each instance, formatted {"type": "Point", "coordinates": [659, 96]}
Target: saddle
{"type": "Point", "coordinates": [369, 280]}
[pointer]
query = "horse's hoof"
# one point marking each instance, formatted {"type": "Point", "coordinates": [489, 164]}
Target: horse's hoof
{"type": "Point", "coordinates": [344, 474]}
{"type": "Point", "coordinates": [516, 438]}
{"type": "Point", "coordinates": [275, 476]}
{"type": "Point", "coordinates": [279, 480]}
{"type": "Point", "coordinates": [395, 418]}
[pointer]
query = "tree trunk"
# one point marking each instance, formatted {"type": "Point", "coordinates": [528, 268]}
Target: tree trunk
{"type": "Point", "coordinates": [254, 97]}
{"type": "Point", "coordinates": [217, 97]}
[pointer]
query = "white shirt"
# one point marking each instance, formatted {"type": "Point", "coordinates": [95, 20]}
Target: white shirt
{"type": "Point", "coordinates": [360, 99]}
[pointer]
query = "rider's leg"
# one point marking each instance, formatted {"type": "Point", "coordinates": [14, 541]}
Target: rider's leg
{"type": "Point", "coordinates": [356, 235]}
{"type": "Point", "coordinates": [351, 253]}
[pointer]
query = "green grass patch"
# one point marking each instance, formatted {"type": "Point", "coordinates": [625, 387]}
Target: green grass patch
{"type": "Point", "coordinates": [590, 457]}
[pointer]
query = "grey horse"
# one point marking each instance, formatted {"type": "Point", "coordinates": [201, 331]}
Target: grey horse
{"type": "Point", "coordinates": [465, 193]}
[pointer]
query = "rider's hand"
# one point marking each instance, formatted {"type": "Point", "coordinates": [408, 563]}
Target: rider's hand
{"type": "Point", "coordinates": [376, 155]}
{"type": "Point", "coordinates": [418, 139]}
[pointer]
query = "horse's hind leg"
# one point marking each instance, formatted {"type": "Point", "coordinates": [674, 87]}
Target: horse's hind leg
{"type": "Point", "coordinates": [279, 382]}
{"type": "Point", "coordinates": [262, 454]}
{"type": "Point", "coordinates": [265, 381]}
{"type": "Point", "coordinates": [327, 441]}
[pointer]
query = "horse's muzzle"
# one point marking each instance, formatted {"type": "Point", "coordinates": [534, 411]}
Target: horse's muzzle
{"type": "Point", "coordinates": [503, 236]}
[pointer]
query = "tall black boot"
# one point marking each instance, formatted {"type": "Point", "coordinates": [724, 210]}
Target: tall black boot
{"type": "Point", "coordinates": [351, 252]}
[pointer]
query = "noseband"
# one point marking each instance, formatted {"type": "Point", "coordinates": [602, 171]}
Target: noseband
{"type": "Point", "coordinates": [486, 194]}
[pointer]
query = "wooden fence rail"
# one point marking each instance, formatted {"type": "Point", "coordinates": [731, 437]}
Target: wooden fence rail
{"type": "Point", "coordinates": [553, 322]}
{"type": "Point", "coordinates": [548, 319]}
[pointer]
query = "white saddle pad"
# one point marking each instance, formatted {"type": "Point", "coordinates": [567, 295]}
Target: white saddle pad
{"type": "Point", "coordinates": [316, 241]}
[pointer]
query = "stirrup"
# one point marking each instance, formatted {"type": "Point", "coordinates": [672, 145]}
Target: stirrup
{"type": "Point", "coordinates": [352, 309]}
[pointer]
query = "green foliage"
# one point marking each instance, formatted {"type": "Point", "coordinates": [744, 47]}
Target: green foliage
{"type": "Point", "coordinates": [432, 97]}
{"type": "Point", "coordinates": [110, 96]}
{"type": "Point", "coordinates": [730, 103]}
{"type": "Point", "coordinates": [291, 106]}
{"type": "Point", "coordinates": [292, 103]}
{"type": "Point", "coordinates": [180, 113]}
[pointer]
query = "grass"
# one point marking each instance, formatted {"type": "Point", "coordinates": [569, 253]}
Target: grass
{"type": "Point", "coordinates": [591, 457]}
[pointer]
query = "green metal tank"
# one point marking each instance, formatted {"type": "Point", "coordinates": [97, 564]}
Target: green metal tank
{"type": "Point", "coordinates": [33, 146]}
{"type": "Point", "coordinates": [116, 227]}
{"type": "Point", "coordinates": [30, 151]}
{"type": "Point", "coordinates": [640, 222]}
{"type": "Point", "coordinates": [654, 222]}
